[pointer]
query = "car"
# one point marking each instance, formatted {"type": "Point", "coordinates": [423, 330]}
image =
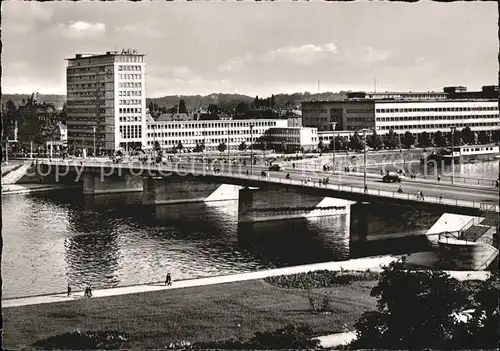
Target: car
{"type": "Point", "coordinates": [275, 167]}
{"type": "Point", "coordinates": [392, 177]}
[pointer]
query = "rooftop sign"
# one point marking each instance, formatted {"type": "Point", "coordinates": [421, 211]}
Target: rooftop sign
{"type": "Point", "coordinates": [129, 51]}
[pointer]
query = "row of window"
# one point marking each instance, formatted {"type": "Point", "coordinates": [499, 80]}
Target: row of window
{"type": "Point", "coordinates": [129, 110]}
{"type": "Point", "coordinates": [186, 142]}
{"type": "Point", "coordinates": [361, 119]}
{"type": "Point", "coordinates": [162, 134]}
{"type": "Point", "coordinates": [81, 109]}
{"type": "Point", "coordinates": [131, 119]}
{"type": "Point", "coordinates": [125, 58]}
{"type": "Point", "coordinates": [360, 110]}
{"type": "Point", "coordinates": [85, 93]}
{"type": "Point", "coordinates": [312, 110]}
{"type": "Point", "coordinates": [129, 68]}
{"type": "Point", "coordinates": [131, 131]}
{"type": "Point", "coordinates": [130, 84]}
{"type": "Point", "coordinates": [129, 102]}
{"type": "Point", "coordinates": [437, 109]}
{"type": "Point", "coordinates": [432, 118]}
{"type": "Point", "coordinates": [439, 126]}
{"type": "Point", "coordinates": [204, 125]}
{"type": "Point", "coordinates": [130, 93]}
{"type": "Point", "coordinates": [130, 76]}
{"type": "Point", "coordinates": [86, 86]}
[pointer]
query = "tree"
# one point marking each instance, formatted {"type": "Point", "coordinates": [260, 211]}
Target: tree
{"type": "Point", "coordinates": [241, 109]}
{"type": "Point", "coordinates": [424, 139]}
{"type": "Point", "coordinates": [484, 137]}
{"type": "Point", "coordinates": [199, 147]}
{"type": "Point", "coordinates": [375, 141]}
{"type": "Point", "coordinates": [182, 106]}
{"type": "Point", "coordinates": [242, 146]}
{"type": "Point", "coordinates": [415, 310]}
{"type": "Point", "coordinates": [439, 139]}
{"type": "Point", "coordinates": [468, 136]}
{"type": "Point", "coordinates": [179, 146]}
{"type": "Point", "coordinates": [408, 140]}
{"type": "Point", "coordinates": [321, 146]}
{"type": "Point", "coordinates": [273, 101]}
{"type": "Point", "coordinates": [173, 109]}
{"type": "Point", "coordinates": [222, 147]}
{"type": "Point", "coordinates": [212, 109]}
{"type": "Point", "coordinates": [356, 143]}
{"type": "Point", "coordinates": [456, 139]}
{"type": "Point", "coordinates": [391, 140]}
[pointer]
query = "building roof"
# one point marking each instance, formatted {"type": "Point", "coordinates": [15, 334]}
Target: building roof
{"type": "Point", "coordinates": [173, 116]}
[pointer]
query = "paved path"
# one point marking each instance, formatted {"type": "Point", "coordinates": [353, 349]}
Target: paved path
{"type": "Point", "coordinates": [335, 340]}
{"type": "Point", "coordinates": [12, 189]}
{"type": "Point", "coordinates": [373, 263]}
{"type": "Point", "coordinates": [360, 264]}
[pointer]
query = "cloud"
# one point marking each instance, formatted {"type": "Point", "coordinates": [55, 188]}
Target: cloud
{"type": "Point", "coordinates": [142, 29]}
{"type": "Point", "coordinates": [305, 55]}
{"type": "Point", "coordinates": [372, 55]}
{"type": "Point", "coordinates": [80, 29]}
{"type": "Point", "coordinates": [234, 63]}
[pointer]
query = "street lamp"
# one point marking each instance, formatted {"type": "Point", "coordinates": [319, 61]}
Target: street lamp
{"type": "Point", "coordinates": [333, 142]}
{"type": "Point", "coordinates": [251, 149]}
{"type": "Point", "coordinates": [94, 140]}
{"type": "Point", "coordinates": [453, 154]}
{"type": "Point", "coordinates": [228, 145]}
{"type": "Point", "coordinates": [364, 156]}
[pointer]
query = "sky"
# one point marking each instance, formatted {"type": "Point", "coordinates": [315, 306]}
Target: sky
{"type": "Point", "coordinates": [257, 48]}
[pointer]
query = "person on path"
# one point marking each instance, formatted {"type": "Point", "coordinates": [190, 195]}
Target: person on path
{"type": "Point", "coordinates": [69, 290]}
{"type": "Point", "coordinates": [439, 178]}
{"type": "Point", "coordinates": [168, 279]}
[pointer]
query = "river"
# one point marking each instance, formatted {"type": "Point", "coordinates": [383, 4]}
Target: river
{"type": "Point", "coordinates": [62, 237]}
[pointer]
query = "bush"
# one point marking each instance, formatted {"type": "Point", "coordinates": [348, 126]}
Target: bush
{"type": "Point", "coordinates": [88, 340]}
{"type": "Point", "coordinates": [290, 337]}
{"type": "Point", "coordinates": [321, 279]}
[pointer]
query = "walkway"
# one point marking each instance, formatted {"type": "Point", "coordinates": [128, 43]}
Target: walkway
{"type": "Point", "coordinates": [360, 264]}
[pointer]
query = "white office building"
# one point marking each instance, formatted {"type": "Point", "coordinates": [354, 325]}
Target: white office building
{"type": "Point", "coordinates": [210, 133]}
{"type": "Point", "coordinates": [106, 101]}
{"type": "Point", "coordinates": [402, 115]}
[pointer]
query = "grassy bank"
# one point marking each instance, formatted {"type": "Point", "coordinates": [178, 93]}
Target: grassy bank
{"type": "Point", "coordinates": [207, 313]}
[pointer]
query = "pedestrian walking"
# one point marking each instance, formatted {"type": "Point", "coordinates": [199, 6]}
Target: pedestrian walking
{"type": "Point", "coordinates": [439, 178]}
{"type": "Point", "coordinates": [441, 198]}
{"type": "Point", "coordinates": [168, 279]}
{"type": "Point", "coordinates": [69, 290]}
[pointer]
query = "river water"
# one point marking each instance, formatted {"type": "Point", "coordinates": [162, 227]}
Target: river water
{"type": "Point", "coordinates": [54, 239]}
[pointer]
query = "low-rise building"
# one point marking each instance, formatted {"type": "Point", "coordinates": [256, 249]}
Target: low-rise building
{"type": "Point", "coordinates": [292, 139]}
{"type": "Point", "coordinates": [209, 133]}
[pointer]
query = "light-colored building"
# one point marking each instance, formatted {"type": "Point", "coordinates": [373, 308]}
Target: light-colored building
{"type": "Point", "coordinates": [402, 115]}
{"type": "Point", "coordinates": [210, 133]}
{"type": "Point", "coordinates": [106, 92]}
{"type": "Point", "coordinates": [60, 134]}
{"type": "Point", "coordinates": [409, 95]}
{"type": "Point", "coordinates": [292, 139]}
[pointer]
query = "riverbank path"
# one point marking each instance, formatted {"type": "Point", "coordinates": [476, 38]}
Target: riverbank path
{"type": "Point", "coordinates": [360, 264]}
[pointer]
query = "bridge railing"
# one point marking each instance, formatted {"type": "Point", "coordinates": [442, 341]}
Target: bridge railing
{"type": "Point", "coordinates": [274, 179]}
{"type": "Point", "coordinates": [467, 180]}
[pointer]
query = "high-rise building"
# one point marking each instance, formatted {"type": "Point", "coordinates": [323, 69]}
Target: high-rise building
{"type": "Point", "coordinates": [106, 101]}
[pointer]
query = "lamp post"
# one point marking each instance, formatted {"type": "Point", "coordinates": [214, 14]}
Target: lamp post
{"type": "Point", "coordinates": [333, 142]}
{"type": "Point", "coordinates": [364, 156]}
{"type": "Point", "coordinates": [228, 145]}
{"type": "Point", "coordinates": [452, 154]}
{"type": "Point", "coordinates": [251, 149]}
{"type": "Point", "coordinates": [93, 128]}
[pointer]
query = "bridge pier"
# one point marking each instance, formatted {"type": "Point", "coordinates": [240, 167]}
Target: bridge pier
{"type": "Point", "coordinates": [94, 184]}
{"type": "Point", "coordinates": [180, 189]}
{"type": "Point", "coordinates": [259, 205]}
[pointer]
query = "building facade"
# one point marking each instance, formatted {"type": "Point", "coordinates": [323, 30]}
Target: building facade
{"type": "Point", "coordinates": [106, 100]}
{"type": "Point", "coordinates": [415, 116]}
{"type": "Point", "coordinates": [292, 139]}
{"type": "Point", "coordinates": [209, 133]}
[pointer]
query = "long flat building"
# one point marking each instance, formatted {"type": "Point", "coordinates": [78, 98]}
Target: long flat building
{"type": "Point", "coordinates": [415, 116]}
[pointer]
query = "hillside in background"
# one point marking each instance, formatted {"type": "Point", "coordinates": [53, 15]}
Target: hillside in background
{"type": "Point", "coordinates": [197, 101]}
{"type": "Point", "coordinates": [57, 100]}
{"type": "Point", "coordinates": [224, 101]}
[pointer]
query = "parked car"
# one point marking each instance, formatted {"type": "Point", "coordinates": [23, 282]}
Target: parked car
{"type": "Point", "coordinates": [275, 167]}
{"type": "Point", "coordinates": [392, 177]}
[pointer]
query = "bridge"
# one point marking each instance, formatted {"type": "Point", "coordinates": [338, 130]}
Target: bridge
{"type": "Point", "coordinates": [304, 193]}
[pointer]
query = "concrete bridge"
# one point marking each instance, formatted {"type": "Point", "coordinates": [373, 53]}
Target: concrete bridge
{"type": "Point", "coordinates": [264, 197]}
